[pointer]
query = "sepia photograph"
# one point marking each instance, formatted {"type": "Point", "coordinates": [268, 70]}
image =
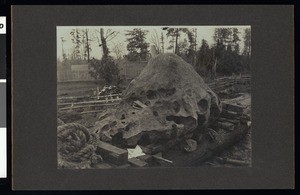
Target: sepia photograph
{"type": "Point", "coordinates": [153, 96]}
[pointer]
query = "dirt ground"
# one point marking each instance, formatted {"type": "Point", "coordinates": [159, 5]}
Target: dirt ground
{"type": "Point", "coordinates": [75, 88]}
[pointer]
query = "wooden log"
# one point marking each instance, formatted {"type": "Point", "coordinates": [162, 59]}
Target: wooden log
{"type": "Point", "coordinates": [139, 104]}
{"type": "Point", "coordinates": [233, 121]}
{"type": "Point", "coordinates": [207, 149]}
{"type": "Point", "coordinates": [137, 162]}
{"type": "Point", "coordinates": [153, 149]}
{"type": "Point", "coordinates": [225, 125]}
{"type": "Point", "coordinates": [112, 153]}
{"type": "Point", "coordinates": [72, 97]}
{"type": "Point", "coordinates": [229, 114]}
{"type": "Point", "coordinates": [160, 158]}
{"type": "Point", "coordinates": [232, 161]}
{"type": "Point", "coordinates": [232, 107]}
{"type": "Point", "coordinates": [86, 106]}
{"type": "Point", "coordinates": [146, 150]}
{"type": "Point", "coordinates": [90, 102]}
{"type": "Point", "coordinates": [147, 158]}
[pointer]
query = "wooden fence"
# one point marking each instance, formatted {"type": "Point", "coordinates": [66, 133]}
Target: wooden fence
{"type": "Point", "coordinates": [65, 76]}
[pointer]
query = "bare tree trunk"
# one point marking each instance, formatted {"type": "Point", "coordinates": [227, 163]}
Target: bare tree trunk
{"type": "Point", "coordinates": [87, 45]}
{"type": "Point", "coordinates": [195, 48]}
{"type": "Point", "coordinates": [104, 44]}
{"type": "Point", "coordinates": [214, 69]}
{"type": "Point", "coordinates": [176, 41]}
{"type": "Point", "coordinates": [162, 43]}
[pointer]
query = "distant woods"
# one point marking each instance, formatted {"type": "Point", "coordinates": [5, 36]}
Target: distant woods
{"type": "Point", "coordinates": [224, 56]}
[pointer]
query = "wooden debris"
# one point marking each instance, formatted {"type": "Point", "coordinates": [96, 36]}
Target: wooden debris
{"type": "Point", "coordinates": [232, 107]}
{"type": "Point", "coordinates": [90, 102]}
{"type": "Point", "coordinates": [225, 125]}
{"type": "Point", "coordinates": [138, 105]}
{"type": "Point", "coordinates": [160, 158]}
{"type": "Point", "coordinates": [112, 153]}
{"type": "Point", "coordinates": [233, 121]}
{"type": "Point", "coordinates": [246, 117]}
{"type": "Point", "coordinates": [146, 150]}
{"type": "Point", "coordinates": [147, 158]}
{"type": "Point", "coordinates": [229, 114]}
{"type": "Point", "coordinates": [190, 145]}
{"type": "Point", "coordinates": [232, 161]}
{"type": "Point", "coordinates": [153, 149]}
{"type": "Point", "coordinates": [137, 162]}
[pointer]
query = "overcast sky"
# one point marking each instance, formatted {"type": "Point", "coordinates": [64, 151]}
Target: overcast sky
{"type": "Point", "coordinates": [203, 32]}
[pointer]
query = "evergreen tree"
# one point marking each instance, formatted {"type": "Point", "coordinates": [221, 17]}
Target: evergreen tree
{"type": "Point", "coordinates": [105, 69]}
{"type": "Point", "coordinates": [76, 40]}
{"type": "Point", "coordinates": [137, 45]}
{"type": "Point", "coordinates": [247, 42]}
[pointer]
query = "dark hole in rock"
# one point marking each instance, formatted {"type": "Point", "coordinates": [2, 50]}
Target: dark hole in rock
{"type": "Point", "coordinates": [162, 92]}
{"type": "Point", "coordinates": [123, 117]}
{"type": "Point", "coordinates": [117, 139]}
{"type": "Point", "coordinates": [144, 140]}
{"type": "Point", "coordinates": [155, 113]}
{"type": "Point", "coordinates": [176, 106]}
{"type": "Point", "coordinates": [112, 123]}
{"type": "Point", "coordinates": [133, 112]}
{"type": "Point", "coordinates": [203, 105]}
{"type": "Point", "coordinates": [176, 119]}
{"type": "Point", "coordinates": [123, 122]}
{"type": "Point", "coordinates": [201, 119]}
{"type": "Point", "coordinates": [170, 92]}
{"type": "Point", "coordinates": [158, 103]}
{"type": "Point", "coordinates": [214, 111]}
{"type": "Point", "coordinates": [105, 128]}
{"type": "Point", "coordinates": [188, 122]}
{"type": "Point", "coordinates": [129, 126]}
{"type": "Point", "coordinates": [151, 94]}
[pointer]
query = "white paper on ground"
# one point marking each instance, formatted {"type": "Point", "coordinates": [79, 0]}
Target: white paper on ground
{"type": "Point", "coordinates": [137, 151]}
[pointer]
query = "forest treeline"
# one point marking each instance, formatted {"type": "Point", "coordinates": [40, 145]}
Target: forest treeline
{"type": "Point", "coordinates": [223, 57]}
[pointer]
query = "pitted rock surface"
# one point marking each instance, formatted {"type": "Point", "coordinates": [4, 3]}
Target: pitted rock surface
{"type": "Point", "coordinates": [169, 99]}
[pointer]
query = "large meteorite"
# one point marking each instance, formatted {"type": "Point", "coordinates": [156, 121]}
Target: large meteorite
{"type": "Point", "coordinates": [167, 100]}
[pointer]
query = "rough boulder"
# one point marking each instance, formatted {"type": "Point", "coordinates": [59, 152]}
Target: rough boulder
{"type": "Point", "coordinates": [167, 100]}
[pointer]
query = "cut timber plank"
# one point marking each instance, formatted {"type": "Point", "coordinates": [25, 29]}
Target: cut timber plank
{"type": "Point", "coordinates": [147, 158]}
{"type": "Point", "coordinates": [139, 104]}
{"type": "Point", "coordinates": [137, 162]}
{"type": "Point", "coordinates": [229, 114]}
{"type": "Point", "coordinates": [233, 161]}
{"type": "Point", "coordinates": [112, 153]}
{"type": "Point", "coordinates": [232, 107]}
{"type": "Point", "coordinates": [225, 125]}
{"type": "Point", "coordinates": [233, 121]}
